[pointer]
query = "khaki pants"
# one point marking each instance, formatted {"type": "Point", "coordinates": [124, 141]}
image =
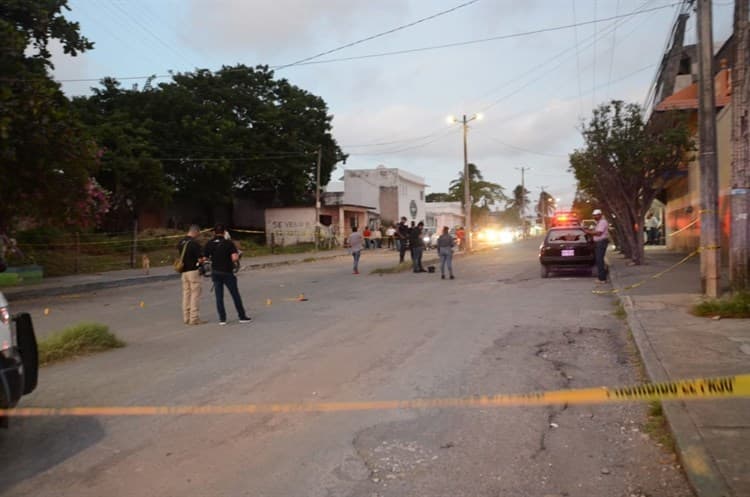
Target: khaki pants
{"type": "Point", "coordinates": [191, 296]}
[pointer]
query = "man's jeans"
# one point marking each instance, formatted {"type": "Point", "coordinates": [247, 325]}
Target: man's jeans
{"type": "Point", "coordinates": [600, 248]}
{"type": "Point", "coordinates": [403, 247]}
{"type": "Point", "coordinates": [230, 280]}
{"type": "Point", "coordinates": [356, 255]}
{"type": "Point", "coordinates": [416, 254]}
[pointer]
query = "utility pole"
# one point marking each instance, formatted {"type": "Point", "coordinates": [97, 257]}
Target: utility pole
{"type": "Point", "coordinates": [739, 250]}
{"type": "Point", "coordinates": [523, 170]}
{"type": "Point", "coordinates": [710, 249]}
{"type": "Point", "coordinates": [317, 198]}
{"type": "Point", "coordinates": [467, 188]}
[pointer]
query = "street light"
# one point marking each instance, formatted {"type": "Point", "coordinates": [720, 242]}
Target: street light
{"type": "Point", "coordinates": [467, 191]}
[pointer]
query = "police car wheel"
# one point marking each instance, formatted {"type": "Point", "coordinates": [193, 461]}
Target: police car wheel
{"type": "Point", "coordinates": [27, 348]}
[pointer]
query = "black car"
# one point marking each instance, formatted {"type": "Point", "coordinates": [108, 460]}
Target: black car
{"type": "Point", "coordinates": [567, 248]}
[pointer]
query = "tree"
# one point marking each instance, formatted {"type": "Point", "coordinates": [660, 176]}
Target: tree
{"type": "Point", "coordinates": [545, 207]}
{"type": "Point", "coordinates": [516, 205]}
{"type": "Point", "coordinates": [624, 162]}
{"type": "Point", "coordinates": [440, 197]}
{"type": "Point", "coordinates": [129, 168]}
{"type": "Point", "coordinates": [43, 147]}
{"type": "Point", "coordinates": [220, 135]}
{"type": "Point", "coordinates": [483, 193]}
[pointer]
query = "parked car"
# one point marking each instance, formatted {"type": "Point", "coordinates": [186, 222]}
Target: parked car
{"type": "Point", "coordinates": [567, 248]}
{"type": "Point", "coordinates": [19, 360]}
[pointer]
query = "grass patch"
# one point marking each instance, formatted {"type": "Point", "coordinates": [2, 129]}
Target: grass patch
{"type": "Point", "coordinates": [79, 339]}
{"type": "Point", "coordinates": [619, 311]}
{"type": "Point", "coordinates": [398, 268]}
{"type": "Point", "coordinates": [656, 426]}
{"type": "Point", "coordinates": [736, 306]}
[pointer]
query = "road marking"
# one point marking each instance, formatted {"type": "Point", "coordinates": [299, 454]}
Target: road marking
{"type": "Point", "coordinates": [703, 388]}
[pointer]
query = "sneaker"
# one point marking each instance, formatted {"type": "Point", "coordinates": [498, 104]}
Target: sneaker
{"type": "Point", "coordinates": [355, 272]}
{"type": "Point", "coordinates": [197, 323]}
{"type": "Point", "coordinates": [245, 320]}
{"type": "Point", "coordinates": [442, 276]}
{"type": "Point", "coordinates": [452, 277]}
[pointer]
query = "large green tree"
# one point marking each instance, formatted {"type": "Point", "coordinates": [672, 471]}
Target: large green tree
{"type": "Point", "coordinates": [129, 168]}
{"type": "Point", "coordinates": [219, 135]}
{"type": "Point", "coordinates": [46, 158]}
{"type": "Point", "coordinates": [624, 163]}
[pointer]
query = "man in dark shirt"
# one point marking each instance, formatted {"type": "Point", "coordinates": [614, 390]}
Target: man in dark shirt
{"type": "Point", "coordinates": [191, 254]}
{"type": "Point", "coordinates": [417, 247]}
{"type": "Point", "coordinates": [402, 231]}
{"type": "Point", "coordinates": [223, 254]}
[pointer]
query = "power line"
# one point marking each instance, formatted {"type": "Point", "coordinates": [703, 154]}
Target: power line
{"type": "Point", "coordinates": [381, 34]}
{"type": "Point", "coordinates": [612, 53]}
{"type": "Point", "coordinates": [488, 39]}
{"type": "Point", "coordinates": [408, 51]}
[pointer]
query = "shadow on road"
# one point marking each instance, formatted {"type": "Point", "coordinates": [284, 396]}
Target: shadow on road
{"type": "Point", "coordinates": [32, 446]}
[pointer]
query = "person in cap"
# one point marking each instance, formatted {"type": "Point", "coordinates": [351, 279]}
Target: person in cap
{"type": "Point", "coordinates": [224, 254]}
{"type": "Point", "coordinates": [600, 233]}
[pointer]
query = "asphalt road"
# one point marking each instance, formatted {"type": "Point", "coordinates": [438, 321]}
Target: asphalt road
{"type": "Point", "coordinates": [497, 328]}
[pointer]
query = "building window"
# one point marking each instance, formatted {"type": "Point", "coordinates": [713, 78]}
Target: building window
{"type": "Point", "coordinates": [421, 195]}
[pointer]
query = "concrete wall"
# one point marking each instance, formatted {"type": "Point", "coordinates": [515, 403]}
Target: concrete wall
{"type": "Point", "coordinates": [363, 187]}
{"type": "Point", "coordinates": [389, 203]}
{"type": "Point", "coordinates": [290, 225]}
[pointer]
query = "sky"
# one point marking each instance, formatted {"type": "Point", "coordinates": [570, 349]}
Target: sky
{"type": "Point", "coordinates": [534, 91]}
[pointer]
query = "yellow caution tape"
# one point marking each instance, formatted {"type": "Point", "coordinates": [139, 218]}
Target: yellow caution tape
{"type": "Point", "coordinates": [723, 387]}
{"type": "Point", "coordinates": [652, 277]}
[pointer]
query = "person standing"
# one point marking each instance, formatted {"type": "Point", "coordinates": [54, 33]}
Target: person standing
{"type": "Point", "coordinates": [403, 239]}
{"type": "Point", "coordinates": [366, 234]}
{"type": "Point", "coordinates": [445, 251]}
{"type": "Point", "coordinates": [224, 255]}
{"type": "Point", "coordinates": [191, 256]}
{"type": "Point", "coordinates": [417, 247]}
{"type": "Point", "coordinates": [389, 234]}
{"type": "Point", "coordinates": [355, 242]}
{"type": "Point", "coordinates": [652, 229]}
{"type": "Point", "coordinates": [377, 238]}
{"type": "Point", "coordinates": [600, 232]}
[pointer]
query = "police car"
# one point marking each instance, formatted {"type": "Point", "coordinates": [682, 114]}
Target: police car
{"type": "Point", "coordinates": [19, 360]}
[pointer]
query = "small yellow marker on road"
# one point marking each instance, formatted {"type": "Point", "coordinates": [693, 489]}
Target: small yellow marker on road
{"type": "Point", "coordinates": [268, 302]}
{"type": "Point", "coordinates": [142, 304]}
{"type": "Point", "coordinates": [46, 311]}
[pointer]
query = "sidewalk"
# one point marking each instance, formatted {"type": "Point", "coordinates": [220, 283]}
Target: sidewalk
{"type": "Point", "coordinates": [80, 283]}
{"type": "Point", "coordinates": [713, 437]}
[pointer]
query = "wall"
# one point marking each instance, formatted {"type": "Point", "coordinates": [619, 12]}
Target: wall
{"type": "Point", "coordinates": [290, 225]}
{"type": "Point", "coordinates": [389, 203]}
{"type": "Point", "coordinates": [409, 191]}
{"type": "Point", "coordinates": [684, 200]}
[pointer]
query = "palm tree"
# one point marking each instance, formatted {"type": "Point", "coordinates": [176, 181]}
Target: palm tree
{"type": "Point", "coordinates": [518, 203]}
{"type": "Point", "coordinates": [483, 193]}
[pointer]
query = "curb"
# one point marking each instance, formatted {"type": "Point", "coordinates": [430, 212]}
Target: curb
{"type": "Point", "coordinates": [33, 293]}
{"type": "Point", "coordinates": [701, 470]}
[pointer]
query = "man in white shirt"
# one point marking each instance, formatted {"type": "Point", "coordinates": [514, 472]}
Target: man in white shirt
{"type": "Point", "coordinates": [390, 233]}
{"type": "Point", "coordinates": [652, 229]}
{"type": "Point", "coordinates": [600, 233]}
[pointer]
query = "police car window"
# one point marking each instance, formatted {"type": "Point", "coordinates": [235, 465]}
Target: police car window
{"type": "Point", "coordinates": [567, 236]}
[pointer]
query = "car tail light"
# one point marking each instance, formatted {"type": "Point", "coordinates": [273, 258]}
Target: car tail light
{"type": "Point", "coordinates": [4, 315]}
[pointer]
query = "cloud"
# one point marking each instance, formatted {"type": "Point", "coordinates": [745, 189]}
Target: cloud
{"type": "Point", "coordinates": [271, 28]}
{"type": "Point", "coordinates": [68, 67]}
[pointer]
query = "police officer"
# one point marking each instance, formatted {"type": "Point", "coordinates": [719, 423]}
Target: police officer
{"type": "Point", "coordinates": [224, 255]}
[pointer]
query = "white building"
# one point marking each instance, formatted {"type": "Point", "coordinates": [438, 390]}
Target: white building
{"type": "Point", "coordinates": [439, 214]}
{"type": "Point", "coordinates": [393, 192]}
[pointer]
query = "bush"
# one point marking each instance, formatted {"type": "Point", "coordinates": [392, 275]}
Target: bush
{"type": "Point", "coordinates": [80, 339]}
{"type": "Point", "coordinates": [736, 306]}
